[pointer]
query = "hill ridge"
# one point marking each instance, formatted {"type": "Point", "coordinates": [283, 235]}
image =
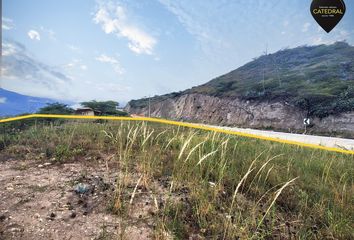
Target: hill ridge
{"type": "Point", "coordinates": [274, 91]}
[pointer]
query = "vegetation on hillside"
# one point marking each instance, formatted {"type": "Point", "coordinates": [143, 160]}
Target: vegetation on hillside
{"type": "Point", "coordinates": [105, 107]}
{"type": "Point", "coordinates": [56, 108]}
{"type": "Point", "coordinates": [317, 79]}
{"type": "Point", "coordinates": [204, 183]}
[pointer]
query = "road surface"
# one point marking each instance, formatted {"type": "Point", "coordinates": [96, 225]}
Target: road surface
{"type": "Point", "coordinates": [342, 143]}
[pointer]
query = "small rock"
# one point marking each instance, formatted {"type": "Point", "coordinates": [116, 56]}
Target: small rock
{"type": "Point", "coordinates": [40, 166]}
{"type": "Point", "coordinates": [47, 164]}
{"type": "Point", "coordinates": [81, 188]}
{"type": "Point", "coordinates": [52, 216]}
{"type": "Point", "coordinates": [15, 229]}
{"type": "Point", "coordinates": [37, 215]}
{"type": "Point", "coordinates": [72, 214]}
{"type": "Point", "coordinates": [2, 217]}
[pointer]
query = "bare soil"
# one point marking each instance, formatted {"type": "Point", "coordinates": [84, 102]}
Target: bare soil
{"type": "Point", "coordinates": [39, 201]}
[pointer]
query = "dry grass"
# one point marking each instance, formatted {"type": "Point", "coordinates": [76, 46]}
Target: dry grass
{"type": "Point", "coordinates": [217, 186]}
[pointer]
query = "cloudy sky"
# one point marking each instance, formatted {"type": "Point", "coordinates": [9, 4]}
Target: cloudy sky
{"type": "Point", "coordinates": [121, 50]}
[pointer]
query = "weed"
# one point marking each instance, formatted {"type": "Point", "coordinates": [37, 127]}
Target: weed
{"type": "Point", "coordinates": [219, 186]}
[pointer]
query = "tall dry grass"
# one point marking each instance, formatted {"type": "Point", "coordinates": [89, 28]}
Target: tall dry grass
{"type": "Point", "coordinates": [228, 187]}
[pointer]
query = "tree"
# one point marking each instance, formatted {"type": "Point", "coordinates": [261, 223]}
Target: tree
{"type": "Point", "coordinates": [317, 104]}
{"type": "Point", "coordinates": [105, 107]}
{"type": "Point", "coordinates": [56, 108]}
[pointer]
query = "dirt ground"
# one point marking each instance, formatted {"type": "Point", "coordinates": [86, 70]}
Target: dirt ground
{"type": "Point", "coordinates": [69, 201]}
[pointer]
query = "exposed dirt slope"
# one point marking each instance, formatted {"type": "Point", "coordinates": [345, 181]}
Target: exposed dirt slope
{"type": "Point", "coordinates": [277, 115]}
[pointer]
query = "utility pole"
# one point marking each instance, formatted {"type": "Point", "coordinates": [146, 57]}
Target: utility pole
{"type": "Point", "coordinates": [263, 79]}
{"type": "Point", "coordinates": [149, 104]}
{"type": "Point", "coordinates": [264, 65]}
{"type": "Point", "coordinates": [149, 107]}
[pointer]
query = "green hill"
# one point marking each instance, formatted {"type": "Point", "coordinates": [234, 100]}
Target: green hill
{"type": "Point", "coordinates": [317, 79]}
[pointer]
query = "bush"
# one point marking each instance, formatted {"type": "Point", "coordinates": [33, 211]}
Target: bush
{"type": "Point", "coordinates": [56, 108]}
{"type": "Point", "coordinates": [105, 107]}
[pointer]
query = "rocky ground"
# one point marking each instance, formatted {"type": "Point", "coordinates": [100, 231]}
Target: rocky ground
{"type": "Point", "coordinates": [70, 201]}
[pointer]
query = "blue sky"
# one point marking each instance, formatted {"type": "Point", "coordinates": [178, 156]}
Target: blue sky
{"type": "Point", "coordinates": [121, 50]}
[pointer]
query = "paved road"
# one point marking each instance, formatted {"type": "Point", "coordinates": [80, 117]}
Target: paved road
{"type": "Point", "coordinates": [342, 143]}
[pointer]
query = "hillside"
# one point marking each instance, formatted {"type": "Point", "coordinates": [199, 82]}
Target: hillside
{"type": "Point", "coordinates": [14, 103]}
{"type": "Point", "coordinates": [308, 81]}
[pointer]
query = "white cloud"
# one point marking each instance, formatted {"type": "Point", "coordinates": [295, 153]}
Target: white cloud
{"type": "Point", "coordinates": [34, 35]}
{"type": "Point", "coordinates": [112, 61]}
{"type": "Point", "coordinates": [344, 33]}
{"type": "Point", "coordinates": [73, 48]}
{"type": "Point", "coordinates": [212, 36]}
{"type": "Point", "coordinates": [324, 38]}
{"type": "Point", "coordinates": [22, 73]}
{"type": "Point", "coordinates": [51, 34]}
{"type": "Point", "coordinates": [70, 65]}
{"type": "Point", "coordinates": [318, 40]}
{"type": "Point", "coordinates": [76, 63]}
{"type": "Point", "coordinates": [8, 49]}
{"type": "Point", "coordinates": [105, 58]}
{"type": "Point", "coordinates": [113, 19]}
{"type": "Point", "coordinates": [305, 27]}
{"type": "Point", "coordinates": [189, 18]}
{"type": "Point", "coordinates": [2, 99]}
{"type": "Point", "coordinates": [7, 23]}
{"type": "Point", "coordinates": [112, 87]}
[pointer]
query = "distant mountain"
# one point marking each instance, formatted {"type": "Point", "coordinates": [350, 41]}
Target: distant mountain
{"type": "Point", "coordinates": [12, 103]}
{"type": "Point", "coordinates": [308, 81]}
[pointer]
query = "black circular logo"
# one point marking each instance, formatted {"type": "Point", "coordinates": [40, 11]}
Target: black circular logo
{"type": "Point", "coordinates": [328, 13]}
